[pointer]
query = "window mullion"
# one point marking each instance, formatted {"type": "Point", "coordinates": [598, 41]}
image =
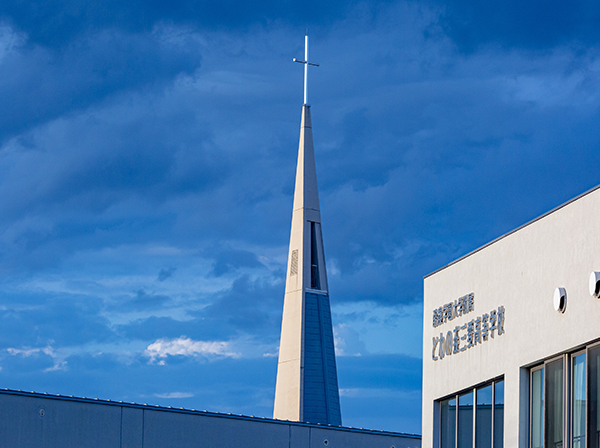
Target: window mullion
{"type": "Point", "coordinates": [493, 412]}
{"type": "Point", "coordinates": [456, 422]}
{"type": "Point", "coordinates": [474, 416]}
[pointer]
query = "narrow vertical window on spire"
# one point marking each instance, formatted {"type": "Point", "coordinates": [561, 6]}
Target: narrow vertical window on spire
{"type": "Point", "coordinates": [315, 281]}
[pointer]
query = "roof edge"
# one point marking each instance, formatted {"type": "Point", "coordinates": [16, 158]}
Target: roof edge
{"type": "Point", "coordinates": [198, 412]}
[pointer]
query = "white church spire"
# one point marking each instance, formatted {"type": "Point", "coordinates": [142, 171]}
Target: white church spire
{"type": "Point", "coordinates": [307, 388]}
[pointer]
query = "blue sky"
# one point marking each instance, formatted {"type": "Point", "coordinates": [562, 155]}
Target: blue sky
{"type": "Point", "coordinates": [147, 157]}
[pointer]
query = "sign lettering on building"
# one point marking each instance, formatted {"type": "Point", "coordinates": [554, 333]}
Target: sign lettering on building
{"type": "Point", "coordinates": [451, 310]}
{"type": "Point", "coordinates": [468, 335]}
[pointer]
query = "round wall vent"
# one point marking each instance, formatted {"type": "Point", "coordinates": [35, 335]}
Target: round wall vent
{"type": "Point", "coordinates": [595, 284]}
{"type": "Point", "coordinates": [560, 300]}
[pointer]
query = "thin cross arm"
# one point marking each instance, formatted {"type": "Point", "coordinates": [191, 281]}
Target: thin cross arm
{"type": "Point", "coordinates": [304, 62]}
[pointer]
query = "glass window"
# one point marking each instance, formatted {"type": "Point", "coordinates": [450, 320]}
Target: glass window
{"type": "Point", "coordinates": [537, 408]}
{"type": "Point", "coordinates": [499, 414]}
{"type": "Point", "coordinates": [483, 428]}
{"type": "Point", "coordinates": [594, 396]}
{"type": "Point", "coordinates": [465, 420]}
{"type": "Point", "coordinates": [315, 281]}
{"type": "Point", "coordinates": [473, 419]}
{"type": "Point", "coordinates": [564, 404]}
{"type": "Point", "coordinates": [554, 404]}
{"type": "Point", "coordinates": [448, 423]}
{"type": "Point", "coordinates": [578, 403]}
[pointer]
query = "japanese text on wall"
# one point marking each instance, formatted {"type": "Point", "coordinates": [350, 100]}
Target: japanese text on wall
{"type": "Point", "coordinates": [466, 336]}
{"type": "Point", "coordinates": [449, 311]}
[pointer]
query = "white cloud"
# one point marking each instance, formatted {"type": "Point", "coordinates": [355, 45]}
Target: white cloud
{"type": "Point", "coordinates": [9, 40]}
{"type": "Point", "coordinates": [27, 352]}
{"type": "Point", "coordinates": [183, 346]}
{"type": "Point", "coordinates": [347, 341]}
{"type": "Point", "coordinates": [59, 362]}
{"type": "Point", "coordinates": [58, 365]}
{"type": "Point", "coordinates": [175, 395]}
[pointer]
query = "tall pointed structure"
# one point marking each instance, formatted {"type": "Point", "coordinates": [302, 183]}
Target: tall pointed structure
{"type": "Point", "coordinates": [307, 388]}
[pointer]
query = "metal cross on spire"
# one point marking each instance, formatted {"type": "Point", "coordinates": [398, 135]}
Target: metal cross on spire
{"type": "Point", "coordinates": [306, 64]}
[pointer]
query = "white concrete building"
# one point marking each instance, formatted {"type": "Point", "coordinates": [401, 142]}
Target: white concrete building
{"type": "Point", "coordinates": [511, 338]}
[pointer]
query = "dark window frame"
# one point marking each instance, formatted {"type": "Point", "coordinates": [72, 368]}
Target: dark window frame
{"type": "Point", "coordinates": [472, 390]}
{"type": "Point", "coordinates": [568, 359]}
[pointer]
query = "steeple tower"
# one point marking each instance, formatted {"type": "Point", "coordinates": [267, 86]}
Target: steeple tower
{"type": "Point", "coordinates": [307, 388]}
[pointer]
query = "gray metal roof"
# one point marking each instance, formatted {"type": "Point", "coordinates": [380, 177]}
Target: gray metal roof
{"type": "Point", "coordinates": [157, 407]}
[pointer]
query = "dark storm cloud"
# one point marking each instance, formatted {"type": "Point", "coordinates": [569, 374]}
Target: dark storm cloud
{"type": "Point", "coordinates": [250, 305]}
{"type": "Point", "coordinates": [396, 162]}
{"type": "Point", "coordinates": [165, 274]}
{"type": "Point", "coordinates": [39, 84]}
{"type": "Point", "coordinates": [144, 301]}
{"type": "Point", "coordinates": [232, 260]}
{"type": "Point", "coordinates": [58, 21]}
{"type": "Point", "coordinates": [59, 321]}
{"type": "Point", "coordinates": [152, 328]}
{"type": "Point", "coordinates": [360, 144]}
{"type": "Point", "coordinates": [92, 165]}
{"type": "Point", "coordinates": [513, 23]}
{"type": "Point", "coordinates": [477, 156]}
